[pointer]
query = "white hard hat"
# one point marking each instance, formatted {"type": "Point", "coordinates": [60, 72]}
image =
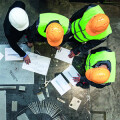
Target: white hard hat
{"type": "Point", "coordinates": [19, 18]}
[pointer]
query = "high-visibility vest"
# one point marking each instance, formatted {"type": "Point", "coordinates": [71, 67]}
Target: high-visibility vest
{"type": "Point", "coordinates": [46, 18]}
{"type": "Point", "coordinates": [92, 59]}
{"type": "Point", "coordinates": [78, 27]}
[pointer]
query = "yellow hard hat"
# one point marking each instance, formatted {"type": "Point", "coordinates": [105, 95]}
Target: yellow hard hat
{"type": "Point", "coordinates": [98, 75]}
{"type": "Point", "coordinates": [54, 34]}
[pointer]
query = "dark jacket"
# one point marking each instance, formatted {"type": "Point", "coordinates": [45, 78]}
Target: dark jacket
{"type": "Point", "coordinates": [90, 44]}
{"type": "Point", "coordinates": [11, 33]}
{"type": "Point", "coordinates": [33, 35]}
{"type": "Point", "coordinates": [84, 82]}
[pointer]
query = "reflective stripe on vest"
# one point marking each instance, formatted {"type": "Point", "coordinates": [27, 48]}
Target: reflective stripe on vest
{"type": "Point", "coordinates": [81, 29]}
{"type": "Point", "coordinates": [76, 32]}
{"type": "Point", "coordinates": [92, 59]}
{"type": "Point", "coordinates": [46, 18]}
{"type": "Point", "coordinates": [80, 25]}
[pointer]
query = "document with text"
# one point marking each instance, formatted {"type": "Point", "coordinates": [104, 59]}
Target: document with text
{"type": "Point", "coordinates": [62, 55]}
{"type": "Point", "coordinates": [11, 55]}
{"type": "Point", "coordinates": [39, 64]}
{"type": "Point", "coordinates": [60, 84]}
{"type": "Point", "coordinates": [69, 73]}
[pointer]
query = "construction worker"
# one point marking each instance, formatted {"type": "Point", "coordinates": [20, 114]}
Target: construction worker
{"type": "Point", "coordinates": [89, 27]}
{"type": "Point", "coordinates": [15, 24]}
{"type": "Point", "coordinates": [52, 26]}
{"type": "Point", "coordinates": [100, 69]}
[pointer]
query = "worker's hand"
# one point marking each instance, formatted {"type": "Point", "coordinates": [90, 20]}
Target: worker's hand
{"type": "Point", "coordinates": [77, 79]}
{"type": "Point", "coordinates": [27, 60]}
{"type": "Point", "coordinates": [57, 47]}
{"type": "Point", "coordinates": [71, 54]}
{"type": "Point", "coordinates": [29, 44]}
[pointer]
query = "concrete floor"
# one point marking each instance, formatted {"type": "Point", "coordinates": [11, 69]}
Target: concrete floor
{"type": "Point", "coordinates": [104, 102]}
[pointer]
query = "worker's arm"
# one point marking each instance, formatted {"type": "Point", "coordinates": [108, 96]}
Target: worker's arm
{"type": "Point", "coordinates": [81, 81]}
{"type": "Point", "coordinates": [17, 49]}
{"type": "Point", "coordinates": [80, 13]}
{"type": "Point", "coordinates": [100, 49]}
{"type": "Point", "coordinates": [87, 46]}
{"type": "Point", "coordinates": [31, 33]}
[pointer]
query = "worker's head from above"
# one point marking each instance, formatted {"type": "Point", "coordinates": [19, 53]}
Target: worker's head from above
{"type": "Point", "coordinates": [54, 34]}
{"type": "Point", "coordinates": [98, 75]}
{"type": "Point", "coordinates": [18, 19]}
{"type": "Point", "coordinates": [97, 24]}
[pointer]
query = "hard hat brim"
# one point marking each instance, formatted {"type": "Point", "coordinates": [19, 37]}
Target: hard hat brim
{"type": "Point", "coordinates": [54, 43]}
{"type": "Point", "coordinates": [89, 31]}
{"type": "Point", "coordinates": [23, 28]}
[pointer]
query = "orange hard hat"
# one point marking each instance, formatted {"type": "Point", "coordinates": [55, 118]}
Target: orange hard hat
{"type": "Point", "coordinates": [54, 34]}
{"type": "Point", "coordinates": [98, 75]}
{"type": "Point", "coordinates": [97, 24]}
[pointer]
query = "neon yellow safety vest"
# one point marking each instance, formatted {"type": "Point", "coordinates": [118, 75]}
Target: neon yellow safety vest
{"type": "Point", "coordinates": [46, 18]}
{"type": "Point", "coordinates": [92, 59]}
{"type": "Point", "coordinates": [78, 26]}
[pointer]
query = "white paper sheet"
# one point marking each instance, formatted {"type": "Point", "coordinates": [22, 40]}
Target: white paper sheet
{"type": "Point", "coordinates": [63, 55]}
{"type": "Point", "coordinates": [3, 105]}
{"type": "Point", "coordinates": [22, 117]}
{"type": "Point", "coordinates": [75, 103]}
{"type": "Point", "coordinates": [39, 64]}
{"type": "Point", "coordinates": [1, 56]}
{"type": "Point", "coordinates": [69, 73]}
{"type": "Point", "coordinates": [60, 84]}
{"type": "Point", "coordinates": [11, 55]}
